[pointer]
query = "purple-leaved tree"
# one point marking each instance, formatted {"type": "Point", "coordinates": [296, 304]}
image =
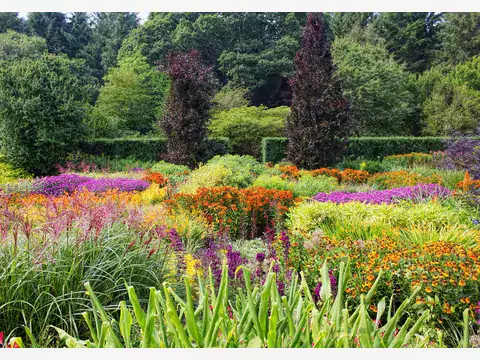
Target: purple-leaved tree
{"type": "Point", "coordinates": [319, 123]}
{"type": "Point", "coordinates": [192, 86]}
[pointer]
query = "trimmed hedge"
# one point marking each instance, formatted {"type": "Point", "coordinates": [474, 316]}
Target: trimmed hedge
{"type": "Point", "coordinates": [147, 149]}
{"type": "Point", "coordinates": [373, 148]}
{"type": "Point", "coordinates": [273, 149]}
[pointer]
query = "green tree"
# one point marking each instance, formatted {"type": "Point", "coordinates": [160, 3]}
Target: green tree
{"type": "Point", "coordinates": [42, 105]}
{"type": "Point", "coordinates": [460, 36]}
{"type": "Point", "coordinates": [15, 46]}
{"type": "Point", "coordinates": [376, 86]}
{"type": "Point", "coordinates": [11, 21]}
{"type": "Point", "coordinates": [53, 27]}
{"type": "Point", "coordinates": [451, 98]}
{"type": "Point", "coordinates": [230, 42]}
{"type": "Point", "coordinates": [228, 98]}
{"type": "Point", "coordinates": [109, 31]}
{"type": "Point", "coordinates": [81, 35]}
{"type": "Point", "coordinates": [410, 37]}
{"type": "Point", "coordinates": [131, 99]}
{"type": "Point", "coordinates": [344, 23]}
{"type": "Point", "coordinates": [245, 126]}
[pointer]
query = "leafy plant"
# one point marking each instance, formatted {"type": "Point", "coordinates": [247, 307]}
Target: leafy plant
{"type": "Point", "coordinates": [319, 122]}
{"type": "Point", "coordinates": [185, 118]}
{"type": "Point", "coordinates": [262, 318]}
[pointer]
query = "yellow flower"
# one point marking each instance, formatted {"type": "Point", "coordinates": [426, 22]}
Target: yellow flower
{"type": "Point", "coordinates": [461, 283]}
{"type": "Point", "coordinates": [428, 289]}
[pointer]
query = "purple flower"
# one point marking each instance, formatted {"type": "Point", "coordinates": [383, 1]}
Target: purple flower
{"type": "Point", "coordinates": [68, 183]}
{"type": "Point", "coordinates": [260, 257]}
{"type": "Point", "coordinates": [418, 192]}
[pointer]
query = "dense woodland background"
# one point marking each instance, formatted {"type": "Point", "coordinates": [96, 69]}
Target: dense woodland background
{"type": "Point", "coordinates": [407, 74]}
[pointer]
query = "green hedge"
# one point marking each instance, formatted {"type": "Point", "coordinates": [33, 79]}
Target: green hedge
{"type": "Point", "coordinates": [273, 149]}
{"type": "Point", "coordinates": [374, 148]}
{"type": "Point", "coordinates": [147, 149]}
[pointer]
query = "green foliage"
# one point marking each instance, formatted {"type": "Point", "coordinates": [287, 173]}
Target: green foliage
{"type": "Point", "coordinates": [15, 46]}
{"type": "Point", "coordinates": [376, 86]}
{"type": "Point", "coordinates": [109, 31]}
{"type": "Point", "coordinates": [226, 41]}
{"type": "Point", "coordinates": [9, 174]}
{"type": "Point", "coordinates": [228, 98]}
{"type": "Point", "coordinates": [43, 103]}
{"type": "Point", "coordinates": [229, 170]}
{"type": "Point", "coordinates": [328, 216]}
{"type": "Point", "coordinates": [273, 149]}
{"type": "Point", "coordinates": [255, 320]}
{"type": "Point", "coordinates": [11, 21]}
{"type": "Point", "coordinates": [346, 23]}
{"type": "Point", "coordinates": [460, 35]}
{"type": "Point", "coordinates": [273, 182]}
{"type": "Point", "coordinates": [372, 166]}
{"type": "Point", "coordinates": [53, 27]}
{"type": "Point", "coordinates": [169, 169]}
{"type": "Point", "coordinates": [131, 99]}
{"type": "Point", "coordinates": [246, 126]}
{"type": "Point", "coordinates": [452, 98]}
{"type": "Point", "coordinates": [371, 148]}
{"type": "Point", "coordinates": [145, 148]}
{"type": "Point", "coordinates": [410, 37]}
{"type": "Point", "coordinates": [53, 294]}
{"type": "Point", "coordinates": [307, 185]}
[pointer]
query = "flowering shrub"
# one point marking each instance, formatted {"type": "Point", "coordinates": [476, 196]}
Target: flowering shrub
{"type": "Point", "coordinates": [448, 272]}
{"type": "Point", "coordinates": [156, 178]}
{"type": "Point", "coordinates": [344, 176]}
{"type": "Point", "coordinates": [393, 179]}
{"type": "Point", "coordinates": [464, 153]}
{"type": "Point", "coordinates": [68, 183]}
{"type": "Point", "coordinates": [418, 192]}
{"type": "Point", "coordinates": [239, 212]}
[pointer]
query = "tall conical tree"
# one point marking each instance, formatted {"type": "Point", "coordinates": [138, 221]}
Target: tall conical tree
{"type": "Point", "coordinates": [319, 123]}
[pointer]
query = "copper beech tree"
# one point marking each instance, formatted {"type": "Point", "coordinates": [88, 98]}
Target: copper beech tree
{"type": "Point", "coordinates": [319, 122]}
{"type": "Point", "coordinates": [192, 86]}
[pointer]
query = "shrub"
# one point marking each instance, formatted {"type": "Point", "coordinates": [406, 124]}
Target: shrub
{"type": "Point", "coordinates": [9, 174]}
{"type": "Point", "coordinates": [228, 98]}
{"type": "Point", "coordinates": [246, 126]}
{"type": "Point", "coordinates": [240, 213]}
{"type": "Point", "coordinates": [393, 179]}
{"type": "Point", "coordinates": [371, 166]}
{"type": "Point", "coordinates": [319, 121]}
{"type": "Point", "coordinates": [229, 170]}
{"type": "Point", "coordinates": [170, 169]}
{"type": "Point", "coordinates": [273, 182]}
{"type": "Point", "coordinates": [186, 110]}
{"type": "Point", "coordinates": [464, 153]}
{"type": "Point", "coordinates": [308, 185]}
{"type": "Point", "coordinates": [43, 104]}
{"type": "Point", "coordinates": [131, 99]}
{"type": "Point", "coordinates": [273, 150]}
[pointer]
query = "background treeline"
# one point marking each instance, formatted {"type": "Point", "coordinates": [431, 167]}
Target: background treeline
{"type": "Point", "coordinates": [403, 74]}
